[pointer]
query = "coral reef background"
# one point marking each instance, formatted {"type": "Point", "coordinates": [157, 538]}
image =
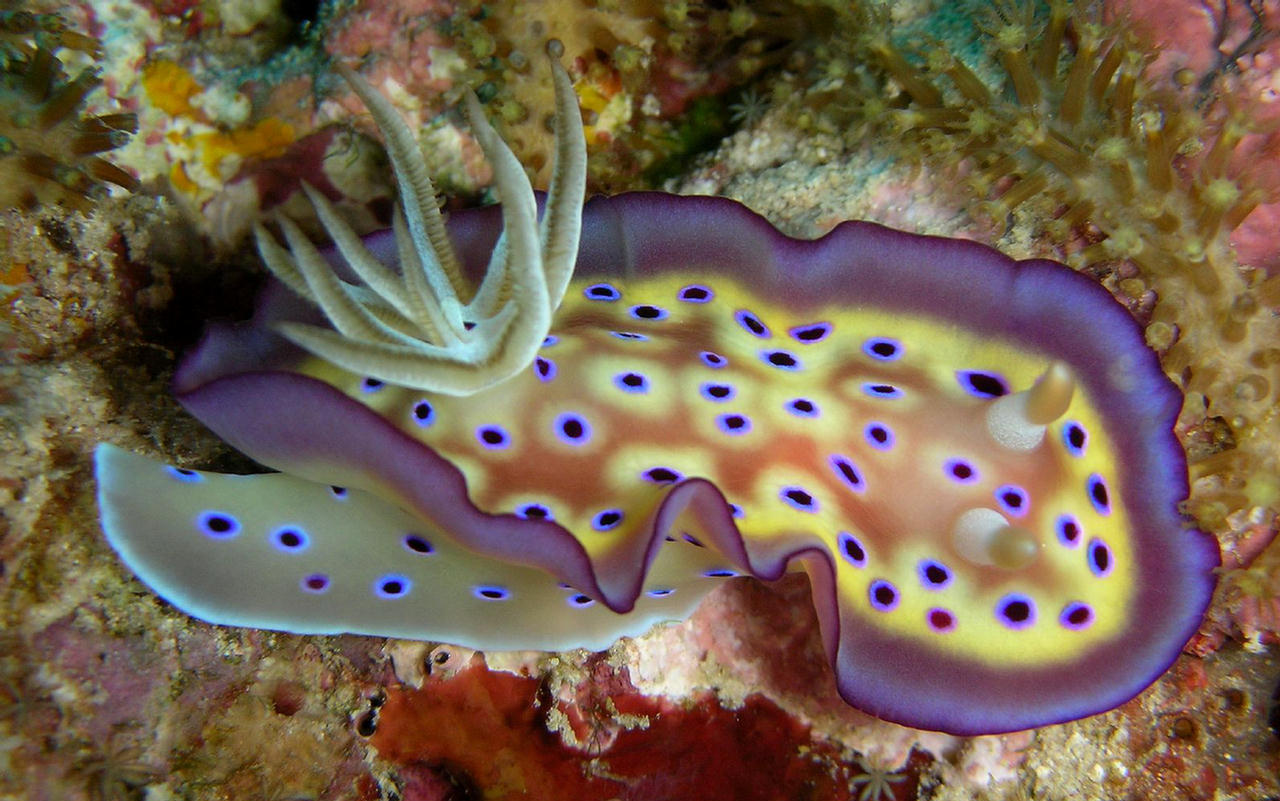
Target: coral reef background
{"type": "Point", "coordinates": [1134, 141]}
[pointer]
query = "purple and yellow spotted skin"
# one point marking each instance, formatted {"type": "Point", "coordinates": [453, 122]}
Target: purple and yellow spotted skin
{"type": "Point", "coordinates": [718, 399]}
{"type": "Point", "coordinates": [858, 433]}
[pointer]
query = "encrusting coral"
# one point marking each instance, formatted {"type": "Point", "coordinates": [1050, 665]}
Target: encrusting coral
{"type": "Point", "coordinates": [646, 101]}
{"type": "Point", "coordinates": [117, 773]}
{"type": "Point", "coordinates": [52, 151]}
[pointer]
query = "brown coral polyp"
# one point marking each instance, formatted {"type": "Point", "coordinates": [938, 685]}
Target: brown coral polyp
{"type": "Point", "coordinates": [43, 135]}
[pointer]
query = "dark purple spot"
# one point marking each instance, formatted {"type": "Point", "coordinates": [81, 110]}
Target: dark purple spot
{"type": "Point", "coordinates": [606, 519]}
{"type": "Point", "coordinates": [808, 334]}
{"type": "Point", "coordinates": [802, 407]}
{"type": "Point", "coordinates": [713, 360]}
{"type": "Point", "coordinates": [579, 601]}
{"type": "Point", "coordinates": [882, 390]}
{"type": "Point", "coordinates": [736, 511]}
{"type": "Point", "coordinates": [716, 393]}
{"type": "Point", "coordinates": [492, 592]}
{"type": "Point", "coordinates": [695, 293]}
{"type": "Point", "coordinates": [941, 620]}
{"type": "Point", "coordinates": [424, 414]}
{"type": "Point", "coordinates": [661, 592]}
{"type": "Point", "coordinates": [1012, 499]}
{"type": "Point", "coordinates": [879, 436]}
{"type": "Point", "coordinates": [733, 424]}
{"type": "Point", "coordinates": [533, 511]}
{"type": "Point", "coordinates": [290, 539]}
{"type": "Point", "coordinates": [339, 493]}
{"type": "Point", "coordinates": [720, 573]}
{"type": "Point", "coordinates": [798, 498]}
{"type": "Point", "coordinates": [1100, 561]}
{"type": "Point", "coordinates": [316, 583]}
{"type": "Point", "coordinates": [415, 544]}
{"type": "Point", "coordinates": [852, 549]}
{"type": "Point", "coordinates": [602, 292]}
{"type": "Point", "coordinates": [982, 384]}
{"type": "Point", "coordinates": [219, 525]}
{"type": "Point", "coordinates": [183, 474]}
{"type": "Point", "coordinates": [882, 349]}
{"type": "Point", "coordinates": [631, 382]}
{"type": "Point", "coordinates": [845, 470]}
{"type": "Point", "coordinates": [573, 428]}
{"type": "Point", "coordinates": [1098, 494]}
{"type": "Point", "coordinates": [961, 471]}
{"type": "Point", "coordinates": [1076, 615]}
{"type": "Point", "coordinates": [647, 312]}
{"type": "Point", "coordinates": [544, 368]}
{"type": "Point", "coordinates": [1074, 437]}
{"type": "Point", "coordinates": [780, 359]}
{"type": "Point", "coordinates": [883, 595]}
{"type": "Point", "coordinates": [934, 575]}
{"type": "Point", "coordinates": [661, 475]}
{"type": "Point", "coordinates": [492, 437]}
{"type": "Point", "coordinates": [371, 385]}
{"type": "Point", "coordinates": [630, 335]}
{"type": "Point", "coordinates": [549, 340]}
{"type": "Point", "coordinates": [752, 324]}
{"type": "Point", "coordinates": [392, 585]}
{"type": "Point", "coordinates": [1068, 529]}
{"type": "Point", "coordinates": [1016, 611]}
{"type": "Point", "coordinates": [692, 540]}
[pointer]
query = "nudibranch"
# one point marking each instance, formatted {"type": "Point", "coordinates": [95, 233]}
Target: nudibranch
{"type": "Point", "coordinates": [513, 431]}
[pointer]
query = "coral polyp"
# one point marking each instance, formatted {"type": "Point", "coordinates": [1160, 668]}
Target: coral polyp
{"type": "Point", "coordinates": [45, 143]}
